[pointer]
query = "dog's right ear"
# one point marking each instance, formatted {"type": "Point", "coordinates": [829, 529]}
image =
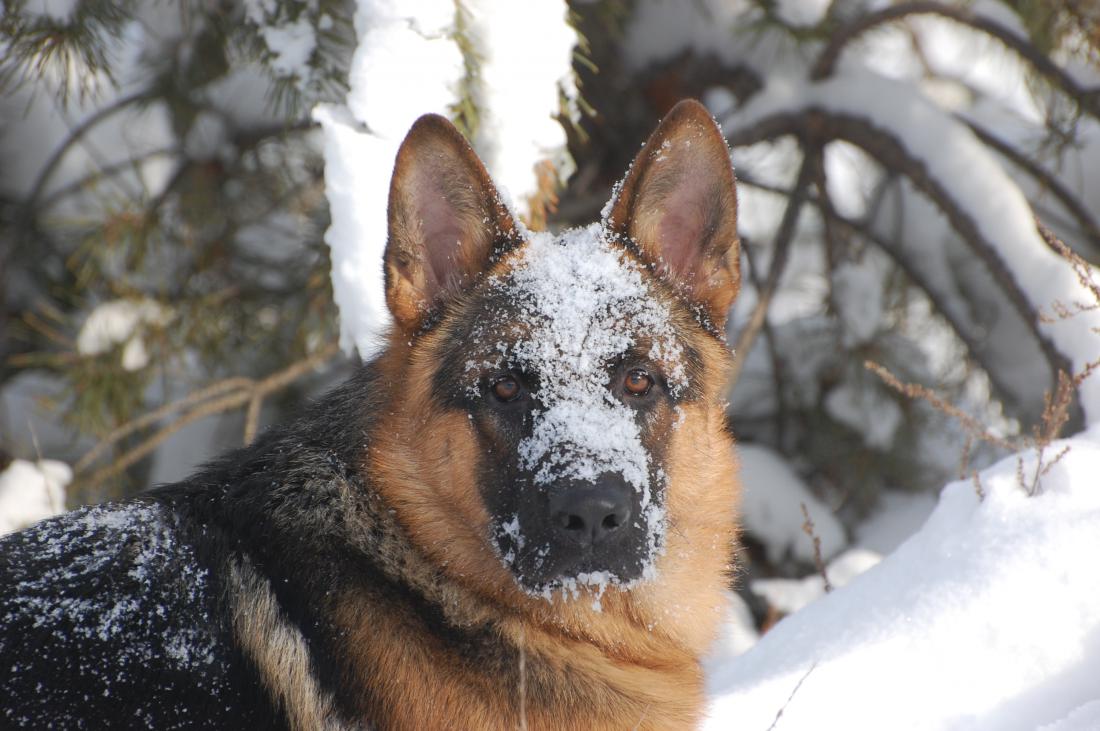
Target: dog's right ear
{"type": "Point", "coordinates": [446, 221]}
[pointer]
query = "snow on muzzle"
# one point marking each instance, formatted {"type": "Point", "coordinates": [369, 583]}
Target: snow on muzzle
{"type": "Point", "coordinates": [592, 516]}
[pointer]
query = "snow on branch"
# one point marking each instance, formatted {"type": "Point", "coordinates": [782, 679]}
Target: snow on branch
{"type": "Point", "coordinates": [908, 134]}
{"type": "Point", "coordinates": [1088, 99]}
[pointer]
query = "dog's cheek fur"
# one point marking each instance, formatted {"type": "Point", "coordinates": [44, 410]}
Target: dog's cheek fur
{"type": "Point", "coordinates": [426, 458]}
{"type": "Point", "coordinates": [700, 504]}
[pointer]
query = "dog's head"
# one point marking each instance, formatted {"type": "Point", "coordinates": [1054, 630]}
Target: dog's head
{"type": "Point", "coordinates": [561, 395]}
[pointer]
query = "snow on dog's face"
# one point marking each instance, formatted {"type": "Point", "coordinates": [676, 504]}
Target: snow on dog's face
{"type": "Point", "coordinates": [570, 357]}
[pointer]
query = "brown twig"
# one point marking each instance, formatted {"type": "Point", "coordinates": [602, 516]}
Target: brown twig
{"type": "Point", "coordinates": [891, 152]}
{"type": "Point", "coordinates": [964, 460]}
{"type": "Point", "coordinates": [891, 247]}
{"type": "Point", "coordinates": [978, 485]}
{"type": "Point", "coordinates": [134, 425]}
{"type": "Point", "coordinates": [1081, 268]}
{"type": "Point", "coordinates": [819, 562]}
{"type": "Point", "coordinates": [132, 456]}
{"type": "Point", "coordinates": [917, 391]}
{"type": "Point", "coordinates": [245, 391]}
{"type": "Point", "coordinates": [252, 417]}
{"type": "Point", "coordinates": [794, 691]}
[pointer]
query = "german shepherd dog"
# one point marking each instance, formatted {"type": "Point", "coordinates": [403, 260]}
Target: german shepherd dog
{"type": "Point", "coordinates": [521, 514]}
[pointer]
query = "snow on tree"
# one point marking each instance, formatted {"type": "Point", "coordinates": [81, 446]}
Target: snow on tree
{"type": "Point", "coordinates": [31, 491]}
{"type": "Point", "coordinates": [449, 58]}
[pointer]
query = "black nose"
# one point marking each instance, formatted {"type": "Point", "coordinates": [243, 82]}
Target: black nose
{"type": "Point", "coordinates": [590, 513]}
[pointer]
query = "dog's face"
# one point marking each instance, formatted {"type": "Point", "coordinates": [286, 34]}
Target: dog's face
{"type": "Point", "coordinates": [565, 364]}
{"type": "Point", "coordinates": [571, 365]}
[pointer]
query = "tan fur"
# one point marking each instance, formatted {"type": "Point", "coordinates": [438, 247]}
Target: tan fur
{"type": "Point", "coordinates": [277, 650]}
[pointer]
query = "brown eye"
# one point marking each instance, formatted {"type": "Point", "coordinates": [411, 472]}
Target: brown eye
{"type": "Point", "coordinates": [506, 388]}
{"type": "Point", "coordinates": [637, 382]}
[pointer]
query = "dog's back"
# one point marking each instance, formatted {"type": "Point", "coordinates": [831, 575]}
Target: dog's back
{"type": "Point", "coordinates": [165, 612]}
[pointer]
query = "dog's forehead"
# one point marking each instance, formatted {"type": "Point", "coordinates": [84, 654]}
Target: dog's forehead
{"type": "Point", "coordinates": [574, 296]}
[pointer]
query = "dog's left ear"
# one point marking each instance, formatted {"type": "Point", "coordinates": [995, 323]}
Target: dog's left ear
{"type": "Point", "coordinates": [446, 221]}
{"type": "Point", "coordinates": [678, 204]}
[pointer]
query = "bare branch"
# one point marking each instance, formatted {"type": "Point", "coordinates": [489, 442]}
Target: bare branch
{"type": "Point", "coordinates": [778, 378]}
{"type": "Point", "coordinates": [890, 246]}
{"type": "Point", "coordinates": [1072, 203]}
{"type": "Point", "coordinates": [819, 562]}
{"type": "Point", "coordinates": [75, 136]}
{"type": "Point", "coordinates": [794, 692]}
{"type": "Point", "coordinates": [135, 425]}
{"type": "Point", "coordinates": [783, 238]}
{"type": "Point", "coordinates": [917, 391]}
{"type": "Point", "coordinates": [252, 418]}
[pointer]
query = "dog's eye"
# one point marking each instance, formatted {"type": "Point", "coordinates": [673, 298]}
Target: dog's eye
{"type": "Point", "coordinates": [637, 382]}
{"type": "Point", "coordinates": [506, 388]}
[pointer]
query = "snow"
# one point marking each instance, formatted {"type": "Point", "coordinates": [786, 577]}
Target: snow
{"type": "Point", "coordinates": [120, 322]}
{"type": "Point", "coordinates": [660, 30]}
{"type": "Point", "coordinates": [31, 491]}
{"type": "Point", "coordinates": [573, 293]}
{"type": "Point", "coordinates": [59, 11]}
{"type": "Point", "coordinates": [771, 508]}
{"type": "Point", "coordinates": [290, 41]}
{"type": "Point", "coordinates": [515, 105]}
{"type": "Point", "coordinates": [802, 13]}
{"type": "Point", "coordinates": [291, 46]}
{"type": "Point", "coordinates": [1085, 718]}
{"type": "Point", "coordinates": [984, 619]}
{"type": "Point", "coordinates": [736, 33]}
{"type": "Point", "coordinates": [516, 127]}
{"type": "Point", "coordinates": [871, 413]}
{"type": "Point", "coordinates": [897, 516]}
{"type": "Point", "coordinates": [735, 636]}
{"type": "Point", "coordinates": [859, 294]}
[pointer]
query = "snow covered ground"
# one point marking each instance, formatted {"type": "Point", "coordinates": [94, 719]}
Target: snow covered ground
{"type": "Point", "coordinates": [987, 618]}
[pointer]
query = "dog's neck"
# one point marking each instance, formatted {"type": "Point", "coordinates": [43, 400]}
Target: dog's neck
{"type": "Point", "coordinates": [557, 677]}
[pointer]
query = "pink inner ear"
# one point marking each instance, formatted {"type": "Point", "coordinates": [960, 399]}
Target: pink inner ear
{"type": "Point", "coordinates": [680, 232]}
{"type": "Point", "coordinates": [442, 240]}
